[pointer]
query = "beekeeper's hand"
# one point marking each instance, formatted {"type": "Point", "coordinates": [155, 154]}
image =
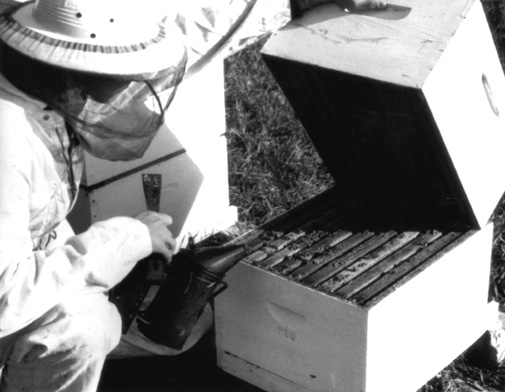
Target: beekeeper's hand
{"type": "Point", "coordinates": [351, 5]}
{"type": "Point", "coordinates": [161, 237]}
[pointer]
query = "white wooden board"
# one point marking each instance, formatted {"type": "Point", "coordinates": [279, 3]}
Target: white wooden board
{"type": "Point", "coordinates": [395, 46]}
{"type": "Point", "coordinates": [198, 205]}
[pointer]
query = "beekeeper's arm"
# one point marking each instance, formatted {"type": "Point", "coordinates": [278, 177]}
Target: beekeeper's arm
{"type": "Point", "coordinates": [32, 281]}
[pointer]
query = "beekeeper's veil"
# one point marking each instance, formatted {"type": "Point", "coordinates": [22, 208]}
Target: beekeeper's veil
{"type": "Point", "coordinates": [120, 47]}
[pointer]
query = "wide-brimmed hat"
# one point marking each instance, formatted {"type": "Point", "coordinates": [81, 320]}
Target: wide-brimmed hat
{"type": "Point", "coordinates": [123, 38]}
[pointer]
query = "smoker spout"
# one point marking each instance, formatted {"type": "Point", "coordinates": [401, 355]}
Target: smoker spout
{"type": "Point", "coordinates": [220, 259]}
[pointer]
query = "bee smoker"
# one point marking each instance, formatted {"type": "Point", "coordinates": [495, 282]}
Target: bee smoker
{"type": "Point", "coordinates": [192, 279]}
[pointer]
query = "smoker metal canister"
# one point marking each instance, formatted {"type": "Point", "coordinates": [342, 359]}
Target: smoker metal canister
{"type": "Point", "coordinates": [179, 301]}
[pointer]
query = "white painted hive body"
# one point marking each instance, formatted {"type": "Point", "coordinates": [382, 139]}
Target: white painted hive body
{"type": "Point", "coordinates": [189, 152]}
{"type": "Point", "coordinates": [407, 114]}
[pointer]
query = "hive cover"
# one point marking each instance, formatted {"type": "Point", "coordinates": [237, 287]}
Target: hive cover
{"type": "Point", "coordinates": [405, 106]}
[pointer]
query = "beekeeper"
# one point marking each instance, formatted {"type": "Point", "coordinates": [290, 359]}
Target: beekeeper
{"type": "Point", "coordinates": [90, 75]}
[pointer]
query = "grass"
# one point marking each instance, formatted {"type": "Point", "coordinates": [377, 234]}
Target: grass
{"type": "Point", "coordinates": [273, 167]}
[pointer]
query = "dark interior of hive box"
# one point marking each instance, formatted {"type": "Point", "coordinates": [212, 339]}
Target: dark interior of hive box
{"type": "Point", "coordinates": [397, 205]}
{"type": "Point", "coordinates": [381, 144]}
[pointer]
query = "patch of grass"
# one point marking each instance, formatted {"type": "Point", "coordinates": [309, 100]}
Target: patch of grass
{"type": "Point", "coordinates": [274, 167]}
{"type": "Point", "coordinates": [272, 163]}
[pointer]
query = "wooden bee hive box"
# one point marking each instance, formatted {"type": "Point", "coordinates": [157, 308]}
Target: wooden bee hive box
{"type": "Point", "coordinates": [323, 304]}
{"type": "Point", "coordinates": [383, 281]}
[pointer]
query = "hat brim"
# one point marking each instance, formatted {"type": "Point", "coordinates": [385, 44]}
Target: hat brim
{"type": "Point", "coordinates": [138, 61]}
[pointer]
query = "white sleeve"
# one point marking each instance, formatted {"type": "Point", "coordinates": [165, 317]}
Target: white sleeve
{"type": "Point", "coordinates": [31, 282]}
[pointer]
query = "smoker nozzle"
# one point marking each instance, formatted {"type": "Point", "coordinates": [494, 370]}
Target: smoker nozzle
{"type": "Point", "coordinates": [192, 280]}
{"type": "Point", "coordinates": [219, 259]}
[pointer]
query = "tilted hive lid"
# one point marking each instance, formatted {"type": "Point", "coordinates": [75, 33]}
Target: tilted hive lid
{"type": "Point", "coordinates": [405, 106]}
{"type": "Point", "coordinates": [400, 45]}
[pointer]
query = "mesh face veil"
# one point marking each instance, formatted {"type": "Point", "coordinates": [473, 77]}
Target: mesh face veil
{"type": "Point", "coordinates": [113, 119]}
{"type": "Point", "coordinates": [123, 126]}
